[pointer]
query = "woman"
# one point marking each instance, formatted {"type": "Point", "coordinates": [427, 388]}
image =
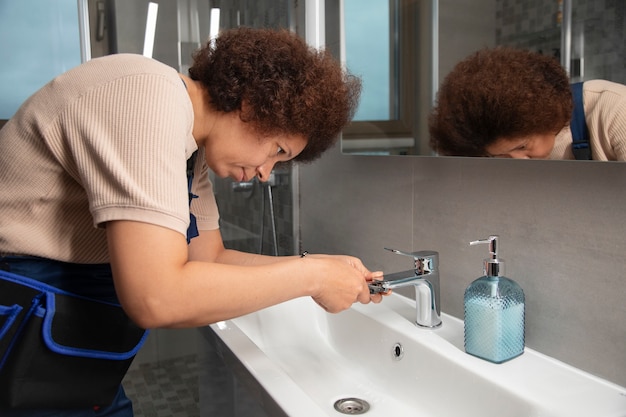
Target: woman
{"type": "Point", "coordinates": [93, 168]}
{"type": "Point", "coordinates": [505, 102]}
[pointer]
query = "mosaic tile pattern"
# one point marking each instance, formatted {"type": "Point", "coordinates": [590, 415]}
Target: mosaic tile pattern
{"type": "Point", "coordinates": [167, 388]}
{"type": "Point", "coordinates": [598, 33]}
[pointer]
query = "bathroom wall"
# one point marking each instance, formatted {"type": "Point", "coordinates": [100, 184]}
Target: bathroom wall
{"type": "Point", "coordinates": [561, 223]}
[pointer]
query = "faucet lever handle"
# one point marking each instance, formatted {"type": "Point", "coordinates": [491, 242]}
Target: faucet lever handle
{"type": "Point", "coordinates": [421, 254]}
{"type": "Point", "coordinates": [425, 260]}
{"type": "Point", "coordinates": [400, 252]}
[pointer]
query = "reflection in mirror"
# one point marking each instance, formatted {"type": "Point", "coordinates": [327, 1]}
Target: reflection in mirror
{"type": "Point", "coordinates": [427, 39]}
{"type": "Point", "coordinates": [380, 38]}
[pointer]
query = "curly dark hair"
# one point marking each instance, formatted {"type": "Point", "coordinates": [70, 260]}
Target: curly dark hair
{"type": "Point", "coordinates": [499, 93]}
{"type": "Point", "coordinates": [288, 87]}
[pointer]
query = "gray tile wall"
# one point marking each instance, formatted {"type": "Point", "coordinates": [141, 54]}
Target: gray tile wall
{"type": "Point", "coordinates": [562, 228]}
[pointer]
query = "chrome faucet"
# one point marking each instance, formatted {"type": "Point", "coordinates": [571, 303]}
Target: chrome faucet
{"type": "Point", "coordinates": [425, 279]}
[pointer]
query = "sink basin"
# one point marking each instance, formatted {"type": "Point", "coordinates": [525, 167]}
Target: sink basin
{"type": "Point", "coordinates": [307, 360]}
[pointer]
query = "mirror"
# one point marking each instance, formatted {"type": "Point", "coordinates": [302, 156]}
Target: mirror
{"type": "Point", "coordinates": [402, 49]}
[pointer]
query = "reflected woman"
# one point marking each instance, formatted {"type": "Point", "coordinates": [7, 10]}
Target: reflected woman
{"type": "Point", "coordinates": [512, 103]}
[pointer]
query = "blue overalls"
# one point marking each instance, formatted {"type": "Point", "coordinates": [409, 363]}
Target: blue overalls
{"type": "Point", "coordinates": [90, 280]}
{"type": "Point", "coordinates": [93, 281]}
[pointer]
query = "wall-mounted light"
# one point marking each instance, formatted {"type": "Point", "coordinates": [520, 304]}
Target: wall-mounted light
{"type": "Point", "coordinates": [214, 25]}
{"type": "Point", "coordinates": [148, 43]}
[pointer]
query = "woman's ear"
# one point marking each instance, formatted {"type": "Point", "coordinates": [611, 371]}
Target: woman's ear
{"type": "Point", "coordinates": [246, 113]}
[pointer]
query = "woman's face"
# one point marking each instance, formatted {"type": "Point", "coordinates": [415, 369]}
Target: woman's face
{"type": "Point", "coordinates": [529, 147]}
{"type": "Point", "coordinates": [235, 150]}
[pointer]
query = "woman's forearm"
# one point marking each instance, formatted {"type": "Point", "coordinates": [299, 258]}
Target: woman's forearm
{"type": "Point", "coordinates": [159, 286]}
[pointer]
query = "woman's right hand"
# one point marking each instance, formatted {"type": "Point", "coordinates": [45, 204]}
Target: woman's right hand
{"type": "Point", "coordinates": [340, 284]}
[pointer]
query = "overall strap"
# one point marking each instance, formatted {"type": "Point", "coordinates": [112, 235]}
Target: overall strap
{"type": "Point", "coordinates": [578, 125]}
{"type": "Point", "coordinates": [192, 230]}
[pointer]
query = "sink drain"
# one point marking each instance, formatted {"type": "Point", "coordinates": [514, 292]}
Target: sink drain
{"type": "Point", "coordinates": [397, 351]}
{"type": "Point", "coordinates": [352, 406]}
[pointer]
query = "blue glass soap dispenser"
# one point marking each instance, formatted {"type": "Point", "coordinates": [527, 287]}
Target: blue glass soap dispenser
{"type": "Point", "coordinates": [494, 311]}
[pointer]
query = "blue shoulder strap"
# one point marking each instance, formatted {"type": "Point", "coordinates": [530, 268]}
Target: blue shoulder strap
{"type": "Point", "coordinates": [578, 125]}
{"type": "Point", "coordinates": [192, 230]}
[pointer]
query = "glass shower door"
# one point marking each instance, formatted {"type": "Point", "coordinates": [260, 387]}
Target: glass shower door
{"type": "Point", "coordinates": [587, 36]}
{"type": "Point", "coordinates": [598, 40]}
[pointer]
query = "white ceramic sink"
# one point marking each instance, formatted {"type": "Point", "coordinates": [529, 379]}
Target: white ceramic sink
{"type": "Point", "coordinates": [307, 359]}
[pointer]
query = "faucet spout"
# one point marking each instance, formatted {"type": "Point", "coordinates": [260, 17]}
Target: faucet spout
{"type": "Point", "coordinates": [425, 279]}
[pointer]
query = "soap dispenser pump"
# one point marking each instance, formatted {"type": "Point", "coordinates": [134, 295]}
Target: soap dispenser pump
{"type": "Point", "coordinates": [494, 311]}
